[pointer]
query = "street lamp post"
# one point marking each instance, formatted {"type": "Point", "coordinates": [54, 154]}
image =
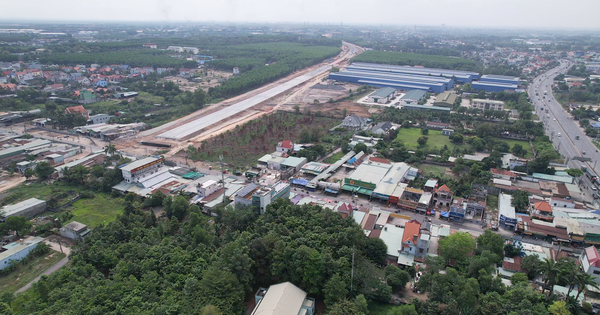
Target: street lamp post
{"type": "Point", "coordinates": [222, 177]}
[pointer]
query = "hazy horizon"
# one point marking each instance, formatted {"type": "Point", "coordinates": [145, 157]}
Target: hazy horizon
{"type": "Point", "coordinates": [537, 14]}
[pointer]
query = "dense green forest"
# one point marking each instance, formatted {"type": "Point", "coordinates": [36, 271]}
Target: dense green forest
{"type": "Point", "coordinates": [264, 63]}
{"type": "Point", "coordinates": [412, 59]}
{"type": "Point", "coordinates": [134, 58]}
{"type": "Point", "coordinates": [180, 265]}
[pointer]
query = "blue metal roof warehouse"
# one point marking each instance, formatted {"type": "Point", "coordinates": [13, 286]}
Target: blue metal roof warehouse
{"type": "Point", "coordinates": [492, 78]}
{"type": "Point", "coordinates": [459, 76]}
{"type": "Point", "coordinates": [399, 81]}
{"type": "Point", "coordinates": [448, 82]}
{"type": "Point", "coordinates": [493, 87]}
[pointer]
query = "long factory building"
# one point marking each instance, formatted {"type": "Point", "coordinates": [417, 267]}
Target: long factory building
{"type": "Point", "coordinates": [496, 83]}
{"type": "Point", "coordinates": [461, 77]}
{"type": "Point", "coordinates": [403, 77]}
{"type": "Point", "coordinates": [393, 80]}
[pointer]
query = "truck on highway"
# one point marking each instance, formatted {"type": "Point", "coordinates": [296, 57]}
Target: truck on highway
{"type": "Point", "coordinates": [590, 174]}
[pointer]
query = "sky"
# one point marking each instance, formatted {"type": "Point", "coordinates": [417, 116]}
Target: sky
{"type": "Point", "coordinates": [548, 14]}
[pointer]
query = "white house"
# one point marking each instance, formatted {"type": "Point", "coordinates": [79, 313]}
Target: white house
{"type": "Point", "coordinates": [590, 262]}
{"type": "Point", "coordinates": [74, 230]}
{"type": "Point", "coordinates": [285, 146]}
{"type": "Point", "coordinates": [137, 170]}
{"type": "Point", "coordinates": [16, 251]}
{"type": "Point", "coordinates": [208, 187]}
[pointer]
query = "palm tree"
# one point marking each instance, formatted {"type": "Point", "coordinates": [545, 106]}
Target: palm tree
{"type": "Point", "coordinates": [583, 280]}
{"type": "Point", "coordinates": [110, 150]}
{"type": "Point", "coordinates": [567, 273]}
{"type": "Point", "coordinates": [550, 272]}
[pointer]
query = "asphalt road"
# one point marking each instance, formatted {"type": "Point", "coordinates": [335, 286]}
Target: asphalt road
{"type": "Point", "coordinates": [210, 119]}
{"type": "Point", "coordinates": [562, 129]}
{"type": "Point", "coordinates": [52, 269]}
{"type": "Point", "coordinates": [192, 127]}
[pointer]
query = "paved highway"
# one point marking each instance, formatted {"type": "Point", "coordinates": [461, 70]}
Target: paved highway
{"type": "Point", "coordinates": [208, 120]}
{"type": "Point", "coordinates": [567, 137]}
{"type": "Point", "coordinates": [192, 127]}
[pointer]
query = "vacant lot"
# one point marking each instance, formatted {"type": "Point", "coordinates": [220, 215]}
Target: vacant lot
{"type": "Point", "coordinates": [334, 158]}
{"type": "Point", "coordinates": [25, 273]}
{"type": "Point", "coordinates": [101, 209]}
{"type": "Point", "coordinates": [435, 139]}
{"type": "Point", "coordinates": [246, 143]}
{"type": "Point", "coordinates": [525, 145]}
{"type": "Point", "coordinates": [96, 211]}
{"type": "Point", "coordinates": [432, 170]}
{"type": "Point", "coordinates": [35, 190]}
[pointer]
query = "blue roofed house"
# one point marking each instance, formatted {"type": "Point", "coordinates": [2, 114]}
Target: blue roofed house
{"type": "Point", "coordinates": [100, 83]}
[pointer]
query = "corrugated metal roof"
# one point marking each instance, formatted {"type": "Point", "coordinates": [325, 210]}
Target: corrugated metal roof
{"type": "Point", "coordinates": [281, 299]}
{"type": "Point", "coordinates": [18, 207]}
{"type": "Point", "coordinates": [383, 92]}
{"type": "Point", "coordinates": [414, 95]}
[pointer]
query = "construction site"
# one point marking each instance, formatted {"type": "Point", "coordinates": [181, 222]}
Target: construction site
{"type": "Point", "coordinates": [283, 94]}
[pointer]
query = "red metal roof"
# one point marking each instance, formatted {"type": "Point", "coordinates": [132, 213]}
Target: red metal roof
{"type": "Point", "coordinates": [411, 228]}
{"type": "Point", "coordinates": [502, 172]}
{"type": "Point", "coordinates": [591, 254]}
{"type": "Point", "coordinates": [287, 144]}
{"type": "Point", "coordinates": [375, 234]}
{"type": "Point", "coordinates": [515, 265]}
{"type": "Point", "coordinates": [379, 160]}
{"type": "Point", "coordinates": [370, 222]}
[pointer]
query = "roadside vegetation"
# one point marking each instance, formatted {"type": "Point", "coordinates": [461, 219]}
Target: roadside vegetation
{"type": "Point", "coordinates": [245, 144]}
{"type": "Point", "coordinates": [25, 273]}
{"type": "Point", "coordinates": [413, 59]}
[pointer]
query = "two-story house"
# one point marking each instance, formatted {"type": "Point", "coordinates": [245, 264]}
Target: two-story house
{"type": "Point", "coordinates": [285, 146]}
{"type": "Point", "coordinates": [541, 210]}
{"type": "Point", "coordinates": [442, 197]}
{"type": "Point", "coordinates": [410, 238]}
{"type": "Point", "coordinates": [590, 262]}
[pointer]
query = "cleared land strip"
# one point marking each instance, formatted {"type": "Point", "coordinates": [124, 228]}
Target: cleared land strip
{"type": "Point", "coordinates": [201, 123]}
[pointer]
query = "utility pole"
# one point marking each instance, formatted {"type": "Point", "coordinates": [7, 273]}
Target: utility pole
{"type": "Point", "coordinates": [352, 271]}
{"type": "Point", "coordinates": [222, 177]}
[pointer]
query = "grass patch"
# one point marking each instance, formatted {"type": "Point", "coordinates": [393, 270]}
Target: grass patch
{"type": "Point", "coordinates": [435, 139]}
{"type": "Point", "coordinates": [97, 211]}
{"type": "Point", "coordinates": [492, 201]}
{"type": "Point", "coordinates": [149, 98]}
{"type": "Point", "coordinates": [377, 308]}
{"type": "Point", "coordinates": [434, 170]}
{"type": "Point", "coordinates": [334, 158]}
{"type": "Point", "coordinates": [36, 190]}
{"type": "Point", "coordinates": [525, 145]}
{"type": "Point", "coordinates": [596, 143]}
{"type": "Point", "coordinates": [25, 273]}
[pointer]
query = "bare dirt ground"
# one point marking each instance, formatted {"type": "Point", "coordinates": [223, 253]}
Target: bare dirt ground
{"type": "Point", "coordinates": [7, 182]}
{"type": "Point", "coordinates": [212, 78]}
